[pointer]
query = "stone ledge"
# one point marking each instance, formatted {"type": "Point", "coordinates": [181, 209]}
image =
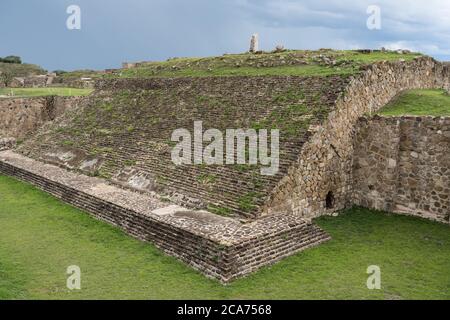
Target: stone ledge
{"type": "Point", "coordinates": [220, 247]}
{"type": "Point", "coordinates": [7, 143]}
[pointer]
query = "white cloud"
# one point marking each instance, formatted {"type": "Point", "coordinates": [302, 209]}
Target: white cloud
{"type": "Point", "coordinates": [421, 25]}
{"type": "Point", "coordinates": [431, 49]}
{"type": "Point", "coordinates": [116, 30]}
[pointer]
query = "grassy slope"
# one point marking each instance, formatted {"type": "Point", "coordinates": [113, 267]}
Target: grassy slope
{"type": "Point", "coordinates": [296, 62]}
{"type": "Point", "coordinates": [419, 103]}
{"type": "Point", "coordinates": [292, 62]}
{"type": "Point", "coordinates": [38, 92]}
{"type": "Point", "coordinates": [306, 70]}
{"type": "Point", "coordinates": [72, 75]}
{"type": "Point", "coordinates": [21, 70]}
{"type": "Point", "coordinates": [41, 236]}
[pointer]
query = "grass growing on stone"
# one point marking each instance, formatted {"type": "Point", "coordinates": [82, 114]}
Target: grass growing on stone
{"type": "Point", "coordinates": [304, 70]}
{"type": "Point", "coordinates": [40, 237]}
{"type": "Point", "coordinates": [419, 103]}
{"type": "Point", "coordinates": [42, 92]}
{"type": "Point", "coordinates": [288, 63]}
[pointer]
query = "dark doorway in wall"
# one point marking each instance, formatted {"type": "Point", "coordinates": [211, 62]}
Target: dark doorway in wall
{"type": "Point", "coordinates": [329, 200]}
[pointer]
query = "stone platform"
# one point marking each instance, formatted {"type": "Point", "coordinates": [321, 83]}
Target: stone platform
{"type": "Point", "coordinates": [220, 247]}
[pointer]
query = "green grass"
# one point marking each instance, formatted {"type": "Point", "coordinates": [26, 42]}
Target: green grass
{"type": "Point", "coordinates": [291, 62]}
{"type": "Point", "coordinates": [41, 92]}
{"type": "Point", "coordinates": [22, 69]}
{"type": "Point", "coordinates": [306, 70]}
{"type": "Point", "coordinates": [419, 103]}
{"type": "Point", "coordinates": [40, 237]}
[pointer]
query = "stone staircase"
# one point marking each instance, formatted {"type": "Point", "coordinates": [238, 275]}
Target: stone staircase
{"type": "Point", "coordinates": [220, 247]}
{"type": "Point", "coordinates": [128, 125]}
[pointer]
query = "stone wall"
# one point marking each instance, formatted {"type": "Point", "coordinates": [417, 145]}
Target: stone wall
{"type": "Point", "coordinates": [219, 247]}
{"type": "Point", "coordinates": [80, 83]}
{"type": "Point", "coordinates": [320, 181]}
{"type": "Point", "coordinates": [402, 164]}
{"type": "Point", "coordinates": [33, 81]}
{"type": "Point", "coordinates": [19, 117]}
{"type": "Point", "coordinates": [129, 122]}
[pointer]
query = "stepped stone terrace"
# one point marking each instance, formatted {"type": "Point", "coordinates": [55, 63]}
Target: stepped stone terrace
{"type": "Point", "coordinates": [110, 153]}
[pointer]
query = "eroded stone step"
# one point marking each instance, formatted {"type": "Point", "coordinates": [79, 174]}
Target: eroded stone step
{"type": "Point", "coordinates": [219, 247]}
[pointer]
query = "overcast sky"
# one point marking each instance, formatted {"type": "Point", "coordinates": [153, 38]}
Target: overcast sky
{"type": "Point", "coordinates": [113, 31]}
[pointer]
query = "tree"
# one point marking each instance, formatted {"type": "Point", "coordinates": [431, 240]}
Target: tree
{"type": "Point", "coordinates": [59, 72]}
{"type": "Point", "coordinates": [6, 77]}
{"type": "Point", "coordinates": [11, 59]}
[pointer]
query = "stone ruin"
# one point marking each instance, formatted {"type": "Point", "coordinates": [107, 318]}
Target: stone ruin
{"type": "Point", "coordinates": [254, 43]}
{"type": "Point", "coordinates": [52, 80]}
{"type": "Point", "coordinates": [33, 81]}
{"type": "Point", "coordinates": [229, 221]}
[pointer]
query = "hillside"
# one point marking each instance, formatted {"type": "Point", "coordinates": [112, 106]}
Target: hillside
{"type": "Point", "coordinates": [11, 70]}
{"type": "Point", "coordinates": [290, 62]}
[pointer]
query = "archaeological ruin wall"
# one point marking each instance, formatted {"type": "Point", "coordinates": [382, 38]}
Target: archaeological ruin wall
{"type": "Point", "coordinates": [127, 128]}
{"type": "Point", "coordinates": [120, 139]}
{"type": "Point", "coordinates": [320, 182]}
{"type": "Point", "coordinates": [124, 135]}
{"type": "Point", "coordinates": [402, 164]}
{"type": "Point", "coordinates": [219, 247]}
{"type": "Point", "coordinates": [20, 117]}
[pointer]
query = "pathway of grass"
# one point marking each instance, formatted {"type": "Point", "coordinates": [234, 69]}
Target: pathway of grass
{"type": "Point", "coordinates": [419, 103]}
{"type": "Point", "coordinates": [40, 237]}
{"type": "Point", "coordinates": [41, 92]}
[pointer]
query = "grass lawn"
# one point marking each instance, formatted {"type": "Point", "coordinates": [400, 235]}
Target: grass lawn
{"type": "Point", "coordinates": [40, 92]}
{"type": "Point", "coordinates": [419, 103]}
{"type": "Point", "coordinates": [41, 236]}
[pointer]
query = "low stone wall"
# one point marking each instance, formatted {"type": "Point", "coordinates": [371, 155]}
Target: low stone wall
{"type": "Point", "coordinates": [320, 180]}
{"type": "Point", "coordinates": [33, 81]}
{"type": "Point", "coordinates": [220, 247]}
{"type": "Point", "coordinates": [80, 83]}
{"type": "Point", "coordinates": [20, 117]}
{"type": "Point", "coordinates": [402, 164]}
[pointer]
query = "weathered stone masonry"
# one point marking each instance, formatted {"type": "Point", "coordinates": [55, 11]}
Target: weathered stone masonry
{"type": "Point", "coordinates": [402, 164]}
{"type": "Point", "coordinates": [324, 167]}
{"type": "Point", "coordinates": [19, 117]}
{"type": "Point", "coordinates": [328, 172]}
{"type": "Point", "coordinates": [222, 248]}
{"type": "Point", "coordinates": [315, 165]}
{"type": "Point", "coordinates": [155, 107]}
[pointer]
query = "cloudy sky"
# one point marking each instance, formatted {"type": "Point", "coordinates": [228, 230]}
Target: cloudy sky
{"type": "Point", "coordinates": [113, 31]}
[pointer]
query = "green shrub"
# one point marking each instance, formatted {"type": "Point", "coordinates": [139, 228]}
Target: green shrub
{"type": "Point", "coordinates": [59, 72]}
{"type": "Point", "coordinates": [11, 59]}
